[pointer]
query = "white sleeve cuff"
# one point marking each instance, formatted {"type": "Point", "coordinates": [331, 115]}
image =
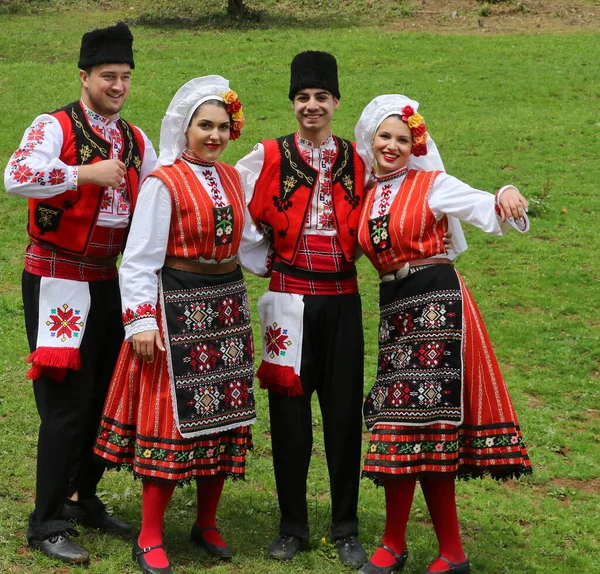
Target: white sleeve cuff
{"type": "Point", "coordinates": [139, 326]}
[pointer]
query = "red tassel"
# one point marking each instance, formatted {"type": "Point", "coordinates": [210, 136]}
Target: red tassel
{"type": "Point", "coordinates": [53, 362]}
{"type": "Point", "coordinates": [279, 379]}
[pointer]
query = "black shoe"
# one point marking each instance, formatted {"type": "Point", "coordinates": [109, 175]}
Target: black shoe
{"type": "Point", "coordinates": [137, 554]}
{"type": "Point", "coordinates": [351, 551]}
{"type": "Point", "coordinates": [285, 547]}
{"type": "Point", "coordinates": [92, 512]}
{"type": "Point", "coordinates": [60, 547]}
{"type": "Point", "coordinates": [370, 568]}
{"type": "Point", "coordinates": [221, 552]}
{"type": "Point", "coordinates": [462, 568]}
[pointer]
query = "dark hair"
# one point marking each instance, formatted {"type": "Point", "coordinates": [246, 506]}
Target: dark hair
{"type": "Point", "coordinates": [218, 103]}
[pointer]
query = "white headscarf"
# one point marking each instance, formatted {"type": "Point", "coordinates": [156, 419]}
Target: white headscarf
{"type": "Point", "coordinates": [379, 109]}
{"type": "Point", "coordinates": [180, 111]}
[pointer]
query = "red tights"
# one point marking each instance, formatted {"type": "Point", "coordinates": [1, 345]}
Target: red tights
{"type": "Point", "coordinates": [439, 493]}
{"type": "Point", "coordinates": [155, 499]}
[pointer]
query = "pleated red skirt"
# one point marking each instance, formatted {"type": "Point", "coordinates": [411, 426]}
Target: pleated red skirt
{"type": "Point", "coordinates": [138, 429]}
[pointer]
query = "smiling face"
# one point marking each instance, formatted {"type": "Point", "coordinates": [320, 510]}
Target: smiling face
{"type": "Point", "coordinates": [105, 87]}
{"type": "Point", "coordinates": [392, 145]}
{"type": "Point", "coordinates": [208, 133]}
{"type": "Point", "coordinates": [314, 109]}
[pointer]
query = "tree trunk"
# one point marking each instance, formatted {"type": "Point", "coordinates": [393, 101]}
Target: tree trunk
{"type": "Point", "coordinates": [236, 9]}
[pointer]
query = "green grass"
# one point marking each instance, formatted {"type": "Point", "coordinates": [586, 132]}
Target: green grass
{"type": "Point", "coordinates": [502, 109]}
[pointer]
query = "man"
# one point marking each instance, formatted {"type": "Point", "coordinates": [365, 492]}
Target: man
{"type": "Point", "coordinates": [304, 193]}
{"type": "Point", "coordinates": [80, 167]}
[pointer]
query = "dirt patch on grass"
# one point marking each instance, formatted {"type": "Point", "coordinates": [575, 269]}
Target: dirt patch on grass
{"type": "Point", "coordinates": [533, 401]}
{"type": "Point", "coordinates": [591, 486]}
{"type": "Point", "coordinates": [471, 16]}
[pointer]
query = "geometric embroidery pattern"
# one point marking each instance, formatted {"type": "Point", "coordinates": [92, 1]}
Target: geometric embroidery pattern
{"type": "Point", "coordinates": [211, 351]}
{"type": "Point", "coordinates": [276, 341]}
{"type": "Point", "coordinates": [64, 323]}
{"type": "Point", "coordinates": [419, 371]}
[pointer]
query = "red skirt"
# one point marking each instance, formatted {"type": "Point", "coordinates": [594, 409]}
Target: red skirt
{"type": "Point", "coordinates": [488, 440]}
{"type": "Point", "coordinates": [138, 430]}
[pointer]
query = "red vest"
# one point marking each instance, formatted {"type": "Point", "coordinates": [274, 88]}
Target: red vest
{"type": "Point", "coordinates": [284, 191]}
{"type": "Point", "coordinates": [198, 228]}
{"type": "Point", "coordinates": [409, 231]}
{"type": "Point", "coordinates": [66, 221]}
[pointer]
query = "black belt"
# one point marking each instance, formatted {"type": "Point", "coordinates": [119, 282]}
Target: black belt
{"type": "Point", "coordinates": [315, 275]}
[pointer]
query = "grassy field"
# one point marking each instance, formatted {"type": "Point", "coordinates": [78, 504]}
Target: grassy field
{"type": "Point", "coordinates": [520, 109]}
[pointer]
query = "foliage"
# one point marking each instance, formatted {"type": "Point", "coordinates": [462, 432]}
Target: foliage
{"type": "Point", "coordinates": [496, 107]}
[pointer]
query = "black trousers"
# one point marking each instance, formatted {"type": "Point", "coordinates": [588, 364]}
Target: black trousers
{"type": "Point", "coordinates": [332, 365]}
{"type": "Point", "coordinates": [70, 410]}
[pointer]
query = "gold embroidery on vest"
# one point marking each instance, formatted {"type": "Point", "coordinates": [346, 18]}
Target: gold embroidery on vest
{"type": "Point", "coordinates": [85, 151]}
{"type": "Point", "coordinates": [79, 124]}
{"type": "Point", "coordinates": [46, 215]}
{"type": "Point", "coordinates": [294, 165]}
{"type": "Point", "coordinates": [337, 173]}
{"type": "Point", "coordinates": [127, 159]}
{"type": "Point", "coordinates": [288, 184]}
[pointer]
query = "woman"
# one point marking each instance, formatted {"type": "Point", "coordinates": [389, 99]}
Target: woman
{"type": "Point", "coordinates": [439, 408]}
{"type": "Point", "coordinates": [181, 399]}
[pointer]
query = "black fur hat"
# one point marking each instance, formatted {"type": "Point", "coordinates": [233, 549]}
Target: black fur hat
{"type": "Point", "coordinates": [112, 45]}
{"type": "Point", "coordinates": [314, 70]}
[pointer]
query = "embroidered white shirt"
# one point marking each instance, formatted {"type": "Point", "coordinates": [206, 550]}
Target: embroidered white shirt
{"type": "Point", "coordinates": [448, 196]}
{"type": "Point", "coordinates": [35, 170]}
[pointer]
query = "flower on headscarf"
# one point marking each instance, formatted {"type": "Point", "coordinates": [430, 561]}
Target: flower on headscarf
{"type": "Point", "coordinates": [235, 110]}
{"type": "Point", "coordinates": [420, 140]}
{"type": "Point", "coordinates": [418, 130]}
{"type": "Point", "coordinates": [407, 111]}
{"type": "Point", "coordinates": [418, 150]}
{"type": "Point", "coordinates": [229, 97]}
{"type": "Point", "coordinates": [415, 120]}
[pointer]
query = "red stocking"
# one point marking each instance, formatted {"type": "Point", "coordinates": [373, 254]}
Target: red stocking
{"type": "Point", "coordinates": [440, 496]}
{"type": "Point", "coordinates": [398, 500]}
{"type": "Point", "coordinates": [209, 493]}
{"type": "Point", "coordinates": [155, 499]}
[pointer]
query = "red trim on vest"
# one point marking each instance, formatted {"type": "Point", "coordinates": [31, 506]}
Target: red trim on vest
{"type": "Point", "coordinates": [413, 231]}
{"type": "Point", "coordinates": [192, 232]}
{"type": "Point", "coordinates": [80, 207]}
{"type": "Point", "coordinates": [264, 210]}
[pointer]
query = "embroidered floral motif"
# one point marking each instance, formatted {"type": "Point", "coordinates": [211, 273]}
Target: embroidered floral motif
{"type": "Point", "coordinates": [185, 456]}
{"type": "Point", "coordinates": [228, 311]}
{"type": "Point", "coordinates": [430, 354]}
{"type": "Point", "coordinates": [276, 340]}
{"type": "Point", "coordinates": [236, 394]}
{"type": "Point", "coordinates": [37, 132]}
{"type": "Point", "coordinates": [22, 173]}
{"type": "Point", "coordinates": [403, 322]}
{"type": "Point", "coordinates": [107, 202]}
{"type": "Point", "coordinates": [64, 323]}
{"type": "Point", "coordinates": [56, 177]}
{"type": "Point", "coordinates": [379, 232]}
{"type": "Point", "coordinates": [207, 400]}
{"type": "Point", "coordinates": [223, 217]}
{"type": "Point", "coordinates": [21, 154]}
{"type": "Point", "coordinates": [232, 350]}
{"type": "Point", "coordinates": [143, 311]}
{"type": "Point", "coordinates": [202, 358]}
{"type": "Point", "coordinates": [434, 316]}
{"type": "Point", "coordinates": [398, 394]}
